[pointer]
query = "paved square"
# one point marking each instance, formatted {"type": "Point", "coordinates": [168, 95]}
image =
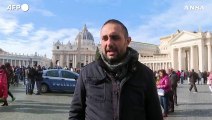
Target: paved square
{"type": "Point", "coordinates": [193, 106]}
{"type": "Point", "coordinates": [55, 106]}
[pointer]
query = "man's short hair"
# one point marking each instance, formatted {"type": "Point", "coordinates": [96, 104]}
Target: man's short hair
{"type": "Point", "coordinates": [120, 23]}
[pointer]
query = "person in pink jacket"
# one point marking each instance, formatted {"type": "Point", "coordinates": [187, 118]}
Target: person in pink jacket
{"type": "Point", "coordinates": [210, 81]}
{"type": "Point", "coordinates": [3, 85]}
{"type": "Point", "coordinates": [164, 84]}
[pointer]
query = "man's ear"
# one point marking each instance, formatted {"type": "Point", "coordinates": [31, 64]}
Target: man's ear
{"type": "Point", "coordinates": [128, 40]}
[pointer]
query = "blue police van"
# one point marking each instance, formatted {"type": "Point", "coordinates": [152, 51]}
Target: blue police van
{"type": "Point", "coordinates": [58, 80]}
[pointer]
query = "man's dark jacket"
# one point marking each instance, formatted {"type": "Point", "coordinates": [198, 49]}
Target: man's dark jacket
{"type": "Point", "coordinates": [194, 77]}
{"type": "Point", "coordinates": [93, 95]}
{"type": "Point", "coordinates": [174, 79]}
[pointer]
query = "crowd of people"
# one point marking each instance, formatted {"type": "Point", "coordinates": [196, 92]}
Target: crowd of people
{"type": "Point", "coordinates": [13, 75]}
{"type": "Point", "coordinates": [167, 82]}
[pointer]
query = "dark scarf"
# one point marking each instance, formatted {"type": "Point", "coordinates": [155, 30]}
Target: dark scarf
{"type": "Point", "coordinates": [121, 69]}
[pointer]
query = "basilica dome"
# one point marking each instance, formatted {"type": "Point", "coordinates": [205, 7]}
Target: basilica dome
{"type": "Point", "coordinates": [85, 37]}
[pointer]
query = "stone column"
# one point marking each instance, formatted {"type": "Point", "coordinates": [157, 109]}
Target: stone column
{"type": "Point", "coordinates": [67, 60]}
{"type": "Point", "coordinates": [89, 58]}
{"type": "Point", "coordinates": [173, 58]}
{"type": "Point", "coordinates": [15, 62]}
{"type": "Point", "coordinates": [192, 57]}
{"type": "Point", "coordinates": [74, 61]}
{"type": "Point", "coordinates": [163, 65]}
{"type": "Point", "coordinates": [54, 60]}
{"type": "Point", "coordinates": [75, 56]}
{"type": "Point", "coordinates": [61, 60]}
{"type": "Point", "coordinates": [153, 68]}
{"type": "Point", "coordinates": [85, 63]}
{"type": "Point", "coordinates": [209, 58]}
{"type": "Point", "coordinates": [201, 57]}
{"type": "Point", "coordinates": [73, 65]}
{"type": "Point", "coordinates": [188, 60]}
{"type": "Point", "coordinates": [180, 59]}
{"type": "Point", "coordinates": [19, 62]}
{"type": "Point", "coordinates": [167, 65]}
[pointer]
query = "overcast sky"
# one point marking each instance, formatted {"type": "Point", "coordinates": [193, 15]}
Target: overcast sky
{"type": "Point", "coordinates": [47, 21]}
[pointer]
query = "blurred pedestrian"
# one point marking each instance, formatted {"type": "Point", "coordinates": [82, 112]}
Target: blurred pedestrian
{"type": "Point", "coordinates": [10, 76]}
{"type": "Point", "coordinates": [182, 76]}
{"type": "Point", "coordinates": [193, 79]}
{"type": "Point", "coordinates": [200, 77]}
{"type": "Point", "coordinates": [209, 82]}
{"type": "Point", "coordinates": [3, 85]}
{"type": "Point", "coordinates": [164, 84]}
{"type": "Point", "coordinates": [204, 75]}
{"type": "Point", "coordinates": [174, 80]}
{"type": "Point", "coordinates": [38, 79]}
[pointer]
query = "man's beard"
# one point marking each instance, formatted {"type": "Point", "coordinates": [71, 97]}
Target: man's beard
{"type": "Point", "coordinates": [115, 60]}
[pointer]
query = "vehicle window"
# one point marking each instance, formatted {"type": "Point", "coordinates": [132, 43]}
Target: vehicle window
{"type": "Point", "coordinates": [52, 73]}
{"type": "Point", "coordinates": [66, 74]}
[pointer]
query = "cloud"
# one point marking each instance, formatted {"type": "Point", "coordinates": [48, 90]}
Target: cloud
{"type": "Point", "coordinates": [25, 29]}
{"type": "Point", "coordinates": [7, 26]}
{"type": "Point", "coordinates": [19, 38]}
{"type": "Point", "coordinates": [174, 18]}
{"type": "Point", "coordinates": [40, 41]}
{"type": "Point", "coordinates": [7, 22]}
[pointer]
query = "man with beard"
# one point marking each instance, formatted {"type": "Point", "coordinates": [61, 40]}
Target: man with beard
{"type": "Point", "coordinates": [116, 86]}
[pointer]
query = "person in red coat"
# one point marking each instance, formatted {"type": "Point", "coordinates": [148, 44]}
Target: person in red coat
{"type": "Point", "coordinates": [3, 85]}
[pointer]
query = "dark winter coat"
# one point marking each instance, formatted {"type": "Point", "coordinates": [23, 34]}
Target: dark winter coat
{"type": "Point", "coordinates": [92, 99]}
{"type": "Point", "coordinates": [174, 79]}
{"type": "Point", "coordinates": [194, 77]}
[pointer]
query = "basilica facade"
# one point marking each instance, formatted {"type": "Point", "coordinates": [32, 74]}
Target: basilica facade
{"type": "Point", "coordinates": [182, 50]}
{"type": "Point", "coordinates": [75, 55]}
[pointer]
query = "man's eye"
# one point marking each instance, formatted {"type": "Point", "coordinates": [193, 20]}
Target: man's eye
{"type": "Point", "coordinates": [115, 37]}
{"type": "Point", "coordinates": [104, 38]}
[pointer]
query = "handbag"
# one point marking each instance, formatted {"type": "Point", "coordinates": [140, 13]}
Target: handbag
{"type": "Point", "coordinates": [161, 92]}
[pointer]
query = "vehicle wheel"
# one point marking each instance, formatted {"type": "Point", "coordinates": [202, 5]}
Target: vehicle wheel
{"type": "Point", "coordinates": [44, 88]}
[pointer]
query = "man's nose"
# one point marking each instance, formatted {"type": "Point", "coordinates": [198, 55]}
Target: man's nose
{"type": "Point", "coordinates": [110, 42]}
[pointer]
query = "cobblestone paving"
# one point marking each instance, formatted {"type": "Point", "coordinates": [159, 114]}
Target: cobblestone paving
{"type": "Point", "coordinates": [193, 106]}
{"type": "Point", "coordinates": [55, 106]}
{"type": "Point", "coordinates": [50, 106]}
